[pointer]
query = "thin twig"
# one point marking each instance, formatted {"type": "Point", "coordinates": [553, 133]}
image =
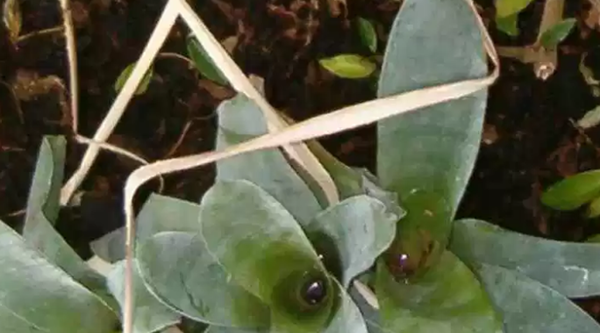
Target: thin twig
{"type": "Point", "coordinates": [177, 144]}
{"type": "Point", "coordinates": [65, 7]}
{"type": "Point", "coordinates": [37, 33]}
{"type": "Point", "coordinates": [166, 55]}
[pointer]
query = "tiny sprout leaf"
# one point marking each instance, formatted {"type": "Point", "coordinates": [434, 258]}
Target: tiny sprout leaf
{"type": "Point", "coordinates": [593, 209]}
{"type": "Point", "coordinates": [240, 119]}
{"type": "Point", "coordinates": [39, 297]}
{"type": "Point", "coordinates": [447, 298]}
{"type": "Point", "coordinates": [351, 235]}
{"type": "Point", "coordinates": [573, 269]}
{"type": "Point", "coordinates": [349, 66]}
{"type": "Point", "coordinates": [508, 24]}
{"type": "Point", "coordinates": [125, 75]}
{"type": "Point", "coordinates": [277, 263]}
{"type": "Point", "coordinates": [42, 212]}
{"type": "Point", "coordinates": [367, 33]}
{"type": "Point", "coordinates": [506, 8]}
{"type": "Point", "coordinates": [149, 314]}
{"type": "Point", "coordinates": [528, 306]}
{"type": "Point", "coordinates": [556, 33]}
{"type": "Point", "coordinates": [12, 18]}
{"type": "Point", "coordinates": [203, 63]}
{"type": "Point", "coordinates": [573, 192]}
{"type": "Point", "coordinates": [182, 274]}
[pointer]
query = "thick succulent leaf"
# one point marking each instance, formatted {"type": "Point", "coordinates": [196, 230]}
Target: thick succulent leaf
{"type": "Point", "coordinates": [179, 270]}
{"type": "Point", "coordinates": [39, 297]}
{"type": "Point", "coordinates": [573, 269]}
{"type": "Point", "coordinates": [159, 213]}
{"type": "Point", "coordinates": [573, 192]}
{"type": "Point", "coordinates": [351, 235]}
{"type": "Point", "coordinates": [528, 306]}
{"type": "Point", "coordinates": [347, 318]}
{"type": "Point", "coordinates": [430, 153]}
{"type": "Point", "coordinates": [42, 212]}
{"type": "Point", "coordinates": [260, 244]}
{"type": "Point", "coordinates": [240, 119]}
{"type": "Point", "coordinates": [447, 298]}
{"type": "Point", "coordinates": [149, 314]}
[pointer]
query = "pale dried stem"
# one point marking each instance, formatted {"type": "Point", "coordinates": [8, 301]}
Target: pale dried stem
{"type": "Point", "coordinates": [72, 56]}
{"type": "Point", "coordinates": [37, 33]}
{"type": "Point", "coordinates": [547, 61]}
{"type": "Point", "coordinates": [159, 35]}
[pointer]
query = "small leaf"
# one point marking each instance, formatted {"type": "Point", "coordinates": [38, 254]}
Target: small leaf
{"type": "Point", "coordinates": [573, 192]}
{"type": "Point", "coordinates": [12, 18]}
{"type": "Point", "coordinates": [149, 314]}
{"type": "Point", "coordinates": [351, 235]}
{"type": "Point", "coordinates": [125, 75]}
{"type": "Point", "coordinates": [573, 269]}
{"type": "Point", "coordinates": [506, 8]}
{"type": "Point", "coordinates": [590, 119]}
{"type": "Point", "coordinates": [508, 24]}
{"type": "Point", "coordinates": [203, 63]}
{"type": "Point", "coordinates": [349, 66]}
{"type": "Point", "coordinates": [240, 119]}
{"type": "Point", "coordinates": [39, 297]}
{"type": "Point", "coordinates": [447, 298]}
{"type": "Point", "coordinates": [593, 209]}
{"type": "Point", "coordinates": [556, 33]}
{"type": "Point", "coordinates": [277, 263]}
{"type": "Point", "coordinates": [42, 212]}
{"type": "Point", "coordinates": [528, 306]}
{"type": "Point", "coordinates": [367, 33]}
{"type": "Point", "coordinates": [179, 270]}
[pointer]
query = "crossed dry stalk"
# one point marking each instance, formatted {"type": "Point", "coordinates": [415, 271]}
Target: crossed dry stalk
{"type": "Point", "coordinates": [288, 137]}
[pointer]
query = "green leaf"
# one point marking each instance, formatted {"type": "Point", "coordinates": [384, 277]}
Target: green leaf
{"type": "Point", "coordinates": [260, 244]}
{"type": "Point", "coordinates": [370, 315]}
{"type": "Point", "coordinates": [508, 24]}
{"type": "Point", "coordinates": [367, 33]}
{"type": "Point", "coordinates": [572, 269]}
{"type": "Point", "coordinates": [202, 61]}
{"type": "Point", "coordinates": [556, 33]}
{"type": "Point", "coordinates": [39, 297]}
{"type": "Point", "coordinates": [593, 209]}
{"type": "Point", "coordinates": [528, 306]}
{"type": "Point", "coordinates": [349, 66]}
{"type": "Point", "coordinates": [427, 156]}
{"type": "Point", "coordinates": [183, 275]}
{"type": "Point", "coordinates": [42, 211]}
{"type": "Point", "coordinates": [149, 314]}
{"type": "Point", "coordinates": [351, 235]}
{"type": "Point", "coordinates": [447, 298]}
{"type": "Point", "coordinates": [125, 75]}
{"type": "Point", "coordinates": [573, 192]}
{"type": "Point", "coordinates": [506, 8]}
{"type": "Point", "coordinates": [240, 119]}
{"type": "Point", "coordinates": [159, 213]}
{"type": "Point", "coordinates": [347, 318]}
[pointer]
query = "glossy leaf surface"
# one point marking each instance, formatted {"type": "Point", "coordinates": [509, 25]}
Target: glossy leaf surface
{"type": "Point", "coordinates": [572, 269]}
{"type": "Point", "coordinates": [349, 66]}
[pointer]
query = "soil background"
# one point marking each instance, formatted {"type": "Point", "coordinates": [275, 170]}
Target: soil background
{"type": "Point", "coordinates": [529, 141]}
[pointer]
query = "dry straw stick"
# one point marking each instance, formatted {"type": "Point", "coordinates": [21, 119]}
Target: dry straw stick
{"type": "Point", "coordinates": [72, 56]}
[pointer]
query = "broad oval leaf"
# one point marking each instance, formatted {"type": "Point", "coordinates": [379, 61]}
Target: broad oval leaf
{"type": "Point", "coordinates": [506, 8]}
{"type": "Point", "coordinates": [528, 306]}
{"type": "Point", "coordinates": [149, 314]}
{"type": "Point", "coordinates": [367, 33]}
{"type": "Point", "coordinates": [240, 119]}
{"type": "Point", "coordinates": [42, 212]}
{"type": "Point", "coordinates": [39, 297]}
{"type": "Point", "coordinates": [202, 61]}
{"type": "Point", "coordinates": [182, 274]}
{"type": "Point", "coordinates": [573, 192]}
{"type": "Point", "coordinates": [159, 213]}
{"type": "Point", "coordinates": [349, 66]}
{"type": "Point", "coordinates": [447, 298]}
{"type": "Point", "coordinates": [573, 269]}
{"type": "Point", "coordinates": [432, 150]}
{"type": "Point", "coordinates": [260, 244]}
{"type": "Point", "coordinates": [556, 33]}
{"type": "Point", "coordinates": [141, 89]}
{"type": "Point", "coordinates": [351, 235]}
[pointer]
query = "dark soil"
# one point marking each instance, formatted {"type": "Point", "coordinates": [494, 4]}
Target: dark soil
{"type": "Point", "coordinates": [530, 143]}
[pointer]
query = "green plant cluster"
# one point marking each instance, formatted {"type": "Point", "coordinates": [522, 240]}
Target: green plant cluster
{"type": "Point", "coordinates": [264, 250]}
